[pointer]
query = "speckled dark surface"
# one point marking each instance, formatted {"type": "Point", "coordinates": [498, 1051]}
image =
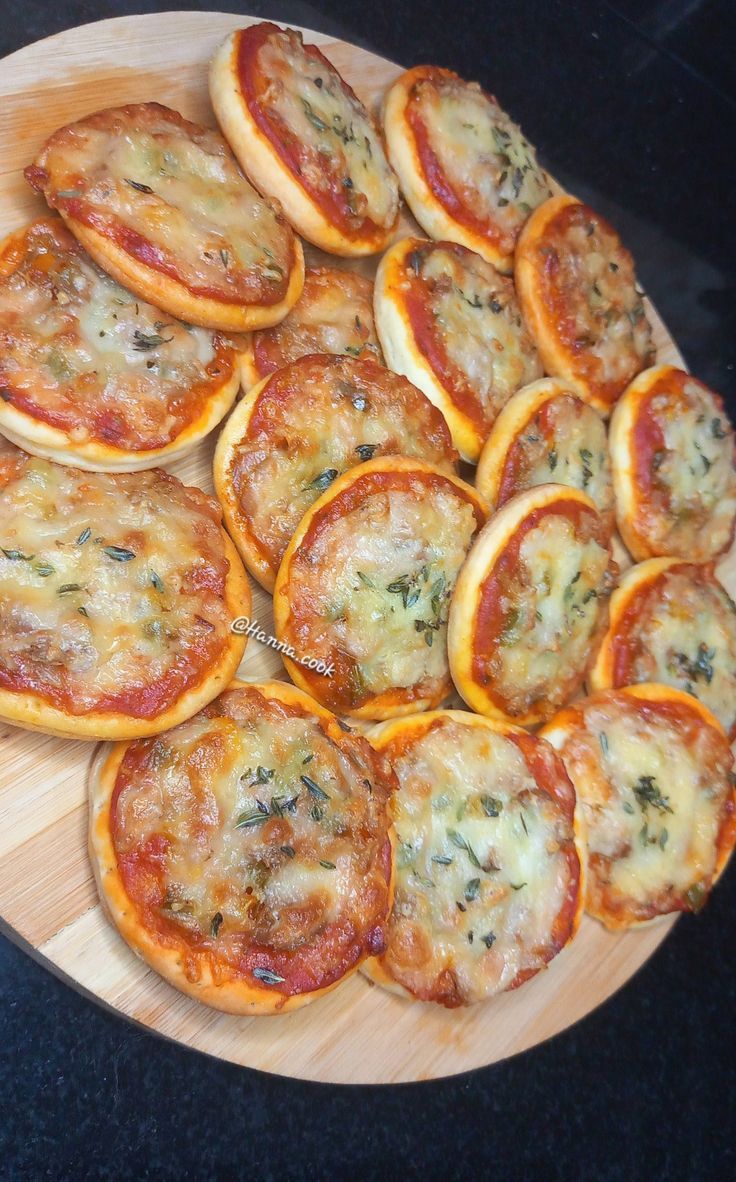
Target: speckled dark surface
{"type": "Point", "coordinates": [633, 105]}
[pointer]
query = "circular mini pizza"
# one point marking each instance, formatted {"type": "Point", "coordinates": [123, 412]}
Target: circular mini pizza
{"type": "Point", "coordinates": [162, 206]}
{"type": "Point", "coordinates": [298, 430]}
{"type": "Point", "coordinates": [652, 769]}
{"type": "Point", "coordinates": [672, 622]}
{"type": "Point", "coordinates": [365, 583]}
{"type": "Point", "coordinates": [93, 375]}
{"type": "Point", "coordinates": [466, 170]}
{"type": "Point", "coordinates": [578, 291]}
{"type": "Point", "coordinates": [488, 859]}
{"type": "Point", "coordinates": [117, 593]}
{"type": "Point", "coordinates": [334, 314]}
{"type": "Point", "coordinates": [674, 467]}
{"type": "Point", "coordinates": [546, 433]}
{"type": "Point", "coordinates": [246, 854]}
{"type": "Point", "coordinates": [451, 322]}
{"type": "Point", "coordinates": [531, 605]}
{"type": "Point", "coordinates": [304, 137]}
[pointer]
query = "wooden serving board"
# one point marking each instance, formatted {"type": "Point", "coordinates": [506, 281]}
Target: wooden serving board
{"type": "Point", "coordinates": [359, 1033]}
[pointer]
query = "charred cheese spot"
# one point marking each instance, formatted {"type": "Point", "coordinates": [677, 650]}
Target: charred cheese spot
{"type": "Point", "coordinates": [271, 835]}
{"type": "Point", "coordinates": [170, 194]}
{"type": "Point", "coordinates": [487, 870]}
{"type": "Point", "coordinates": [677, 628]}
{"type": "Point", "coordinates": [81, 353]}
{"type": "Point", "coordinates": [334, 314]}
{"type": "Point", "coordinates": [368, 583]}
{"type": "Point", "coordinates": [578, 290]}
{"type": "Point", "coordinates": [474, 158]}
{"type": "Point", "coordinates": [655, 785]}
{"type": "Point", "coordinates": [312, 421]}
{"type": "Point", "coordinates": [112, 587]}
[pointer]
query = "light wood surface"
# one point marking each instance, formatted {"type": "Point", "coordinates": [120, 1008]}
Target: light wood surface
{"type": "Point", "coordinates": [359, 1033]}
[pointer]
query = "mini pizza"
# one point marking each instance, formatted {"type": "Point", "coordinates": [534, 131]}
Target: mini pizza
{"type": "Point", "coordinates": [448, 320]}
{"type": "Point", "coordinates": [546, 433]}
{"type": "Point", "coordinates": [117, 593]}
{"type": "Point", "coordinates": [89, 373]}
{"type": "Point", "coordinates": [672, 622]}
{"type": "Point", "coordinates": [161, 205]}
{"type": "Point", "coordinates": [466, 170]}
{"type": "Point", "coordinates": [304, 137]}
{"type": "Point", "coordinates": [652, 769]}
{"type": "Point", "coordinates": [674, 467]}
{"type": "Point", "coordinates": [531, 605]}
{"type": "Point", "coordinates": [489, 872]}
{"type": "Point", "coordinates": [298, 430]}
{"type": "Point", "coordinates": [246, 854]}
{"type": "Point", "coordinates": [365, 583]}
{"type": "Point", "coordinates": [334, 314]}
{"type": "Point", "coordinates": [579, 295]}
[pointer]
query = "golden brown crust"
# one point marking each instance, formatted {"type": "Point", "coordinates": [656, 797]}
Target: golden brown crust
{"type": "Point", "coordinates": [673, 454]}
{"type": "Point", "coordinates": [237, 996]}
{"type": "Point", "coordinates": [690, 721]}
{"type": "Point", "coordinates": [303, 425]}
{"type": "Point", "coordinates": [265, 150]}
{"type": "Point", "coordinates": [31, 712]}
{"type": "Point", "coordinates": [577, 288]}
{"type": "Point", "coordinates": [149, 265]}
{"type": "Point", "coordinates": [348, 492]}
{"type": "Point", "coordinates": [443, 209]}
{"type": "Point", "coordinates": [502, 619]}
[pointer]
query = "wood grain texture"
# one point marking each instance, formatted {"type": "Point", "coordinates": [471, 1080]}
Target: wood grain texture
{"type": "Point", "coordinates": [359, 1033]}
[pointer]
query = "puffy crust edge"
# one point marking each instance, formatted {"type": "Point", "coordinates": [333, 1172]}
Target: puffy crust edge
{"type": "Point", "coordinates": [30, 711]}
{"type": "Point", "coordinates": [491, 541]}
{"type": "Point", "coordinates": [267, 171]}
{"type": "Point", "coordinates": [389, 704]}
{"type": "Point", "coordinates": [235, 997]}
{"type": "Point", "coordinates": [381, 736]}
{"type": "Point", "coordinates": [511, 419]}
{"type": "Point", "coordinates": [238, 526]}
{"type": "Point", "coordinates": [55, 443]}
{"type": "Point", "coordinates": [425, 206]}
{"type": "Point", "coordinates": [403, 355]}
{"type": "Point", "coordinates": [555, 357]}
{"type": "Point", "coordinates": [175, 297]}
{"type": "Point", "coordinates": [557, 730]}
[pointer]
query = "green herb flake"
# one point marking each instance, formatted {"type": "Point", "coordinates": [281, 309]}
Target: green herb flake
{"type": "Point", "coordinates": [323, 480]}
{"type": "Point", "coordinates": [267, 976]}
{"type": "Point", "coordinates": [327, 865]}
{"type": "Point", "coordinates": [472, 890]}
{"type": "Point", "coordinates": [288, 850]}
{"type": "Point", "coordinates": [367, 450]}
{"type": "Point", "coordinates": [215, 924]}
{"type": "Point", "coordinates": [314, 789]}
{"type": "Point", "coordinates": [118, 553]}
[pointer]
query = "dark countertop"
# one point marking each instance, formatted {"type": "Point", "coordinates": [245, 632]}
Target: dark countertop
{"type": "Point", "coordinates": [632, 106]}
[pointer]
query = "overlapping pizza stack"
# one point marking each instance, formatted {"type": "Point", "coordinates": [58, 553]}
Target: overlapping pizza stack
{"type": "Point", "coordinates": [250, 843]}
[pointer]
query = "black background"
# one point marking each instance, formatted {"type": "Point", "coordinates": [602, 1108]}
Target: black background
{"type": "Point", "coordinates": [633, 106]}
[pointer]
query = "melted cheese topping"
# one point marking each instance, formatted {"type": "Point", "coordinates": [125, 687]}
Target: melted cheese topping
{"type": "Point", "coordinates": [334, 314]}
{"type": "Point", "coordinates": [111, 587]}
{"type": "Point", "coordinates": [570, 448]}
{"type": "Point", "coordinates": [696, 474]}
{"type": "Point", "coordinates": [599, 311]}
{"type": "Point", "coordinates": [338, 141]}
{"type": "Point", "coordinates": [554, 608]}
{"type": "Point", "coordinates": [481, 873]}
{"type": "Point", "coordinates": [684, 635]}
{"type": "Point", "coordinates": [379, 580]}
{"type": "Point", "coordinates": [274, 832]}
{"type": "Point", "coordinates": [175, 184]}
{"type": "Point", "coordinates": [85, 355]}
{"type": "Point", "coordinates": [653, 802]}
{"type": "Point", "coordinates": [477, 318]}
{"type": "Point", "coordinates": [330, 417]}
{"type": "Point", "coordinates": [483, 154]}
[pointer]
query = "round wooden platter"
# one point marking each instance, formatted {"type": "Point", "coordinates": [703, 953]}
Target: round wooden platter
{"type": "Point", "coordinates": [359, 1033]}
